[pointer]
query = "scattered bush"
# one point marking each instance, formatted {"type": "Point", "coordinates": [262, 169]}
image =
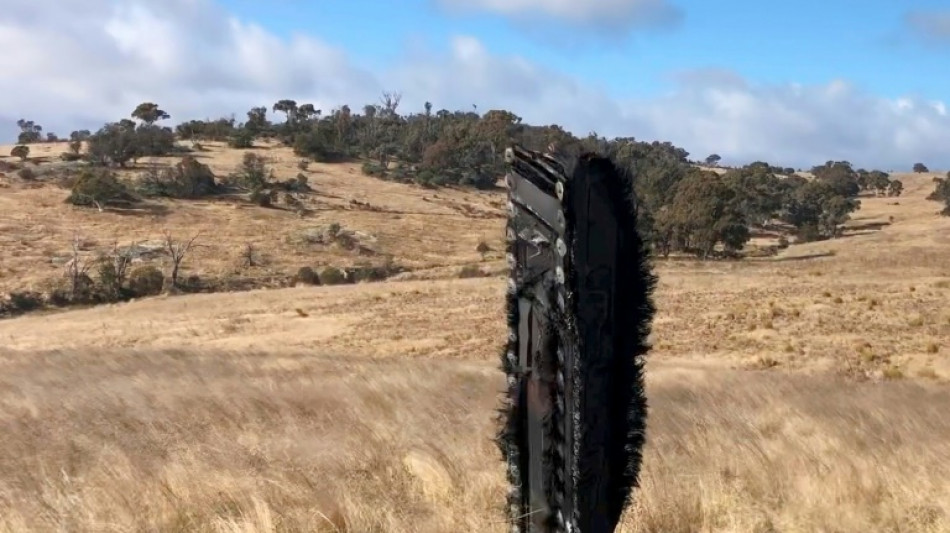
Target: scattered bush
{"type": "Point", "coordinates": [307, 276]}
{"type": "Point", "coordinates": [24, 301]}
{"type": "Point", "coordinates": [189, 178]}
{"type": "Point", "coordinates": [426, 178]}
{"type": "Point", "coordinates": [120, 142]}
{"type": "Point", "coordinates": [263, 197]}
{"type": "Point", "coordinates": [59, 296]}
{"type": "Point", "coordinates": [254, 173]}
{"type": "Point", "coordinates": [22, 151]}
{"type": "Point", "coordinates": [242, 139]}
{"type": "Point", "coordinates": [110, 280]}
{"type": "Point", "coordinates": [146, 280]}
{"type": "Point", "coordinates": [400, 174]}
{"type": "Point", "coordinates": [26, 174]}
{"type": "Point", "coordinates": [291, 201]}
{"type": "Point", "coordinates": [333, 276]}
{"type": "Point", "coordinates": [297, 184]}
{"type": "Point", "coordinates": [680, 202]}
{"type": "Point", "coordinates": [369, 273]}
{"type": "Point", "coordinates": [941, 193]}
{"type": "Point", "coordinates": [373, 169]}
{"type": "Point", "coordinates": [211, 130]}
{"type": "Point", "coordinates": [98, 187]}
{"type": "Point", "coordinates": [79, 289]}
{"type": "Point", "coordinates": [300, 184]}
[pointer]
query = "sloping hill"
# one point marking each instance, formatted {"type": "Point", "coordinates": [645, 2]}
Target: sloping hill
{"type": "Point", "coordinates": [869, 302]}
{"type": "Point", "coordinates": [369, 407]}
{"type": "Point", "coordinates": [418, 228]}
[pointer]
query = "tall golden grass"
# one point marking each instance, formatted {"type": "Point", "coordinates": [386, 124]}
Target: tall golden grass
{"type": "Point", "coordinates": [241, 442]}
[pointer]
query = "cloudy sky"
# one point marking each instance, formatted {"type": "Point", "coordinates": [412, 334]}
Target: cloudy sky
{"type": "Point", "coordinates": [793, 83]}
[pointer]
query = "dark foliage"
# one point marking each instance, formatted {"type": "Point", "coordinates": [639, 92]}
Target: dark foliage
{"type": "Point", "coordinates": [941, 193]}
{"type": "Point", "coordinates": [99, 188]}
{"type": "Point", "coordinates": [188, 178]}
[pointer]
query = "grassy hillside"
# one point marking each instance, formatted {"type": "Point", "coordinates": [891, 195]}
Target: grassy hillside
{"type": "Point", "coordinates": [798, 392]}
{"type": "Point", "coordinates": [418, 229]}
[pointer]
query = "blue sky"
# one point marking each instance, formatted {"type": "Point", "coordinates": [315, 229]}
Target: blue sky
{"type": "Point", "coordinates": [867, 42]}
{"type": "Point", "coordinates": [792, 83]}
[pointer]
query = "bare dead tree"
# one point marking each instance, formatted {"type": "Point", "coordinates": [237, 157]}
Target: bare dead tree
{"type": "Point", "coordinates": [390, 101]}
{"type": "Point", "coordinates": [176, 251]}
{"type": "Point", "coordinates": [114, 268]}
{"type": "Point", "coordinates": [122, 259]}
{"type": "Point", "coordinates": [76, 269]}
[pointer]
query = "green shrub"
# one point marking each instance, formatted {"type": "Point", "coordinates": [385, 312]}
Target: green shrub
{"type": "Point", "coordinates": [189, 178]}
{"type": "Point", "coordinates": [263, 197]}
{"type": "Point", "coordinates": [373, 169]}
{"type": "Point", "coordinates": [301, 184]}
{"type": "Point", "coordinates": [307, 276]}
{"type": "Point", "coordinates": [333, 276]}
{"type": "Point", "coordinates": [254, 173]}
{"type": "Point", "coordinates": [22, 151]}
{"type": "Point", "coordinates": [99, 188]}
{"type": "Point", "coordinates": [110, 280]}
{"type": "Point", "coordinates": [368, 272]}
{"type": "Point", "coordinates": [26, 174]}
{"type": "Point", "coordinates": [24, 301]}
{"type": "Point", "coordinates": [146, 280]}
{"type": "Point", "coordinates": [242, 139]}
{"type": "Point", "coordinates": [59, 296]}
{"type": "Point", "coordinates": [400, 174]}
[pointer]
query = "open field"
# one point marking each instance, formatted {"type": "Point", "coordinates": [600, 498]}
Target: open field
{"type": "Point", "coordinates": [369, 407]}
{"type": "Point", "coordinates": [243, 441]}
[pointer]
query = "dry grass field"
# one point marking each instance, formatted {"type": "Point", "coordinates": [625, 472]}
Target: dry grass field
{"type": "Point", "coordinates": [802, 392]}
{"type": "Point", "coordinates": [420, 229]}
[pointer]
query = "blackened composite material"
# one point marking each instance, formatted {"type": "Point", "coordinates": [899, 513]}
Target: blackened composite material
{"type": "Point", "coordinates": [579, 312]}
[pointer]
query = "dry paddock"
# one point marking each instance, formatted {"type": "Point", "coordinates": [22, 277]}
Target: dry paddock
{"type": "Point", "coordinates": [248, 442]}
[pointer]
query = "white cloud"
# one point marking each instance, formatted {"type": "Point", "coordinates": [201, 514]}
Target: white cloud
{"type": "Point", "coordinates": [800, 125]}
{"type": "Point", "coordinates": [84, 62]}
{"type": "Point", "coordinates": [79, 64]}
